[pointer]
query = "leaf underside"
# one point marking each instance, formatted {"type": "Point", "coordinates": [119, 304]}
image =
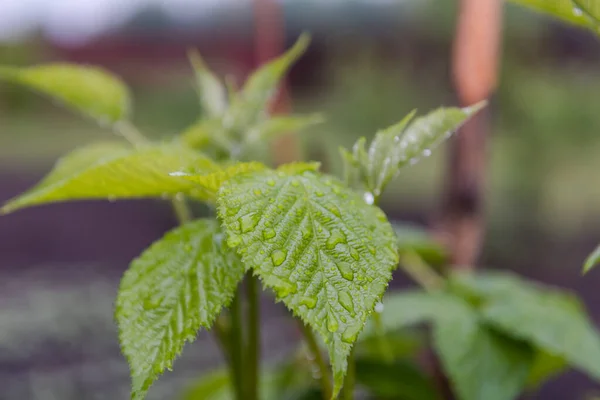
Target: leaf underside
{"type": "Point", "coordinates": [177, 286]}
{"type": "Point", "coordinates": [89, 90]}
{"type": "Point", "coordinates": [310, 240]}
{"type": "Point", "coordinates": [592, 260]}
{"type": "Point", "coordinates": [112, 171]}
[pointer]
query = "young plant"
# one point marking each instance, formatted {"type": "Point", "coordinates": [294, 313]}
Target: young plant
{"type": "Point", "coordinates": [320, 244]}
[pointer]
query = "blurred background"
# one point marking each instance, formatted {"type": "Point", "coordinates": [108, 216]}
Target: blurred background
{"type": "Point", "coordinates": [370, 63]}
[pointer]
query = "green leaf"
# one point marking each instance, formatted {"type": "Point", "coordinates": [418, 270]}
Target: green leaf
{"type": "Point", "coordinates": [545, 366]}
{"type": "Point", "coordinates": [111, 171]}
{"type": "Point", "coordinates": [212, 182]}
{"type": "Point", "coordinates": [309, 239]}
{"type": "Point", "coordinates": [250, 105]}
{"type": "Point", "coordinates": [212, 386]}
{"type": "Point", "coordinates": [89, 90]}
{"type": "Point", "coordinates": [177, 286]}
{"type": "Point", "coordinates": [584, 13]}
{"type": "Point", "coordinates": [592, 260]}
{"type": "Point", "coordinates": [426, 132]}
{"type": "Point", "coordinates": [275, 126]}
{"type": "Point", "coordinates": [384, 156]}
{"type": "Point", "coordinates": [410, 307]}
{"type": "Point", "coordinates": [399, 380]}
{"type": "Point", "coordinates": [481, 364]}
{"type": "Point", "coordinates": [212, 92]}
{"type": "Point", "coordinates": [418, 240]}
{"type": "Point", "coordinates": [551, 320]}
{"type": "Point", "coordinates": [399, 145]}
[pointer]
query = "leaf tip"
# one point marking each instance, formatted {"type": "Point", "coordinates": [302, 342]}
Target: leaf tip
{"type": "Point", "coordinates": [475, 108]}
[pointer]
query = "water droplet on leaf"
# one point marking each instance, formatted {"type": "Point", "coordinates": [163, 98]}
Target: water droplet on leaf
{"type": "Point", "coordinates": [332, 323]}
{"type": "Point", "coordinates": [369, 198]}
{"type": "Point", "coordinates": [309, 302]}
{"type": "Point", "coordinates": [248, 222]}
{"type": "Point", "coordinates": [268, 233]}
{"type": "Point", "coordinates": [379, 307]}
{"type": "Point", "coordinates": [278, 257]}
{"type": "Point", "coordinates": [577, 11]}
{"type": "Point", "coordinates": [336, 237]}
{"type": "Point", "coordinates": [271, 182]}
{"type": "Point", "coordinates": [354, 254]}
{"type": "Point", "coordinates": [351, 334]}
{"type": "Point", "coordinates": [234, 240]}
{"type": "Point", "coordinates": [345, 270]}
{"type": "Point", "coordinates": [257, 192]}
{"type": "Point", "coordinates": [345, 300]}
{"type": "Point", "coordinates": [426, 153]}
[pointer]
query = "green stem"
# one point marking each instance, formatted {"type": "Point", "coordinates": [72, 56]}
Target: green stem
{"type": "Point", "coordinates": [318, 360]}
{"type": "Point", "coordinates": [385, 349]}
{"type": "Point", "coordinates": [252, 370]}
{"type": "Point", "coordinates": [350, 380]}
{"type": "Point", "coordinates": [420, 272]}
{"type": "Point", "coordinates": [237, 346]}
{"type": "Point", "coordinates": [130, 133]}
{"type": "Point", "coordinates": [182, 211]}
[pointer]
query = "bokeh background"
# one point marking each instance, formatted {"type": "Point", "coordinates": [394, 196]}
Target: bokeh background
{"type": "Point", "coordinates": [370, 63]}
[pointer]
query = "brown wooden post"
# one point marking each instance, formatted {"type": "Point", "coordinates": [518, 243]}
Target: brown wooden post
{"type": "Point", "coordinates": [475, 70]}
{"type": "Point", "coordinates": [269, 35]}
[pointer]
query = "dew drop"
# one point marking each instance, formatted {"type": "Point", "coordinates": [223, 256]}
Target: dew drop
{"type": "Point", "coordinates": [351, 334]}
{"type": "Point", "coordinates": [345, 270]}
{"type": "Point", "coordinates": [188, 248]}
{"type": "Point", "coordinates": [345, 300]}
{"type": "Point", "coordinates": [257, 192]}
{"type": "Point", "coordinates": [151, 304]}
{"type": "Point", "coordinates": [577, 11]}
{"type": "Point", "coordinates": [379, 307]}
{"type": "Point", "coordinates": [278, 257]}
{"type": "Point", "coordinates": [248, 222]}
{"type": "Point", "coordinates": [271, 182]}
{"type": "Point", "coordinates": [332, 323]}
{"type": "Point", "coordinates": [295, 183]}
{"type": "Point", "coordinates": [336, 238]}
{"type": "Point", "coordinates": [369, 198]}
{"type": "Point", "coordinates": [318, 193]}
{"type": "Point", "coordinates": [354, 254]}
{"type": "Point", "coordinates": [284, 288]}
{"type": "Point", "coordinates": [372, 249]}
{"type": "Point", "coordinates": [178, 173]}
{"type": "Point", "coordinates": [344, 319]}
{"type": "Point", "coordinates": [234, 240]}
{"type": "Point", "coordinates": [334, 210]}
{"type": "Point", "coordinates": [426, 153]}
{"type": "Point", "coordinates": [112, 198]}
{"type": "Point", "coordinates": [268, 233]}
{"type": "Point", "coordinates": [309, 302]}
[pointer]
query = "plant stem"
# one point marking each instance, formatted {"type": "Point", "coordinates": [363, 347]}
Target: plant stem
{"type": "Point", "coordinates": [420, 272]}
{"type": "Point", "coordinates": [252, 370]}
{"type": "Point", "coordinates": [237, 346]}
{"type": "Point", "coordinates": [130, 133]}
{"type": "Point", "coordinates": [309, 337]}
{"type": "Point", "coordinates": [349, 381]}
{"type": "Point", "coordinates": [182, 211]}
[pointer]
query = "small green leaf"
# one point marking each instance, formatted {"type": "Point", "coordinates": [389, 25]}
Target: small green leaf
{"type": "Point", "coordinates": [309, 239]}
{"type": "Point", "coordinates": [410, 307]}
{"type": "Point", "coordinates": [177, 286]}
{"type": "Point", "coordinates": [545, 366]}
{"type": "Point", "coordinates": [212, 92]}
{"type": "Point", "coordinates": [426, 132]}
{"type": "Point", "coordinates": [592, 260]}
{"type": "Point", "coordinates": [584, 13]}
{"type": "Point", "coordinates": [212, 182]}
{"type": "Point", "coordinates": [89, 90]}
{"type": "Point", "coordinates": [250, 105]}
{"type": "Point", "coordinates": [548, 319]}
{"type": "Point", "coordinates": [110, 171]}
{"type": "Point", "coordinates": [384, 156]}
{"type": "Point", "coordinates": [481, 364]}
{"type": "Point", "coordinates": [275, 126]}
{"type": "Point", "coordinates": [399, 380]}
